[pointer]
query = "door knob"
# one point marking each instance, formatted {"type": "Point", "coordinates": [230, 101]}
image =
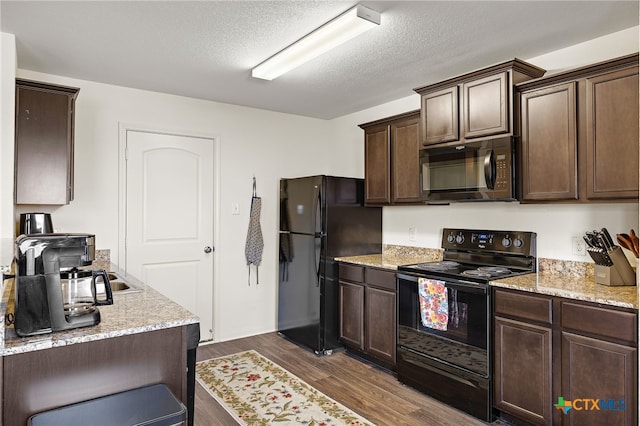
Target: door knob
{"type": "Point", "coordinates": [208, 249]}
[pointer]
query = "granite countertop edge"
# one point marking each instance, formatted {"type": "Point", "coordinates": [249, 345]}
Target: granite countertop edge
{"type": "Point", "coordinates": [131, 313]}
{"type": "Point", "coordinates": [570, 286]}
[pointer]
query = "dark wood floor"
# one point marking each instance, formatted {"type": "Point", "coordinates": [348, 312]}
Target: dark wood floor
{"type": "Point", "coordinates": [371, 392]}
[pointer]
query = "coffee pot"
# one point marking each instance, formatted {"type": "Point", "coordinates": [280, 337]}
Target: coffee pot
{"type": "Point", "coordinates": [79, 295]}
{"type": "Point", "coordinates": [40, 306]}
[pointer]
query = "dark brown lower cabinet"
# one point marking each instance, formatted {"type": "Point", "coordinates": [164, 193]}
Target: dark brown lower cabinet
{"type": "Point", "coordinates": [380, 335]}
{"type": "Point", "coordinates": [352, 314]}
{"type": "Point", "coordinates": [42, 380]}
{"type": "Point", "coordinates": [368, 313]}
{"type": "Point", "coordinates": [523, 370]}
{"type": "Point", "coordinates": [550, 349]}
{"type": "Point", "coordinates": [595, 369]}
{"type": "Point", "coordinates": [599, 362]}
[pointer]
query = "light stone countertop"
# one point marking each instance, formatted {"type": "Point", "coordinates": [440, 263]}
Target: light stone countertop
{"type": "Point", "coordinates": [571, 287]}
{"type": "Point", "coordinates": [572, 280]}
{"type": "Point", "coordinates": [131, 313]}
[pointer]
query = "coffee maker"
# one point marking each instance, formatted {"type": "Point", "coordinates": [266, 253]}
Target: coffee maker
{"type": "Point", "coordinates": [39, 304]}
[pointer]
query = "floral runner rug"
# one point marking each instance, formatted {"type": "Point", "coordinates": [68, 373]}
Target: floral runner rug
{"type": "Point", "coordinates": [256, 391]}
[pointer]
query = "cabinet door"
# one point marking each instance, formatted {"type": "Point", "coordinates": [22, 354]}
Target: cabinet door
{"type": "Point", "coordinates": [405, 146]}
{"type": "Point", "coordinates": [43, 145]}
{"type": "Point", "coordinates": [486, 106]}
{"type": "Point", "coordinates": [380, 335]}
{"type": "Point", "coordinates": [596, 369]}
{"type": "Point", "coordinates": [612, 135]}
{"type": "Point", "coordinates": [522, 370]}
{"type": "Point", "coordinates": [48, 378]}
{"type": "Point", "coordinates": [352, 314]}
{"type": "Point", "coordinates": [549, 144]}
{"type": "Point", "coordinates": [440, 116]}
{"type": "Point", "coordinates": [377, 165]}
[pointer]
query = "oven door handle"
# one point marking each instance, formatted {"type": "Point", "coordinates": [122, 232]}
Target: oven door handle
{"type": "Point", "coordinates": [435, 369]}
{"type": "Point", "coordinates": [467, 286]}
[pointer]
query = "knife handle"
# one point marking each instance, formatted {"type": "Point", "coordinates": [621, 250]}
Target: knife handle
{"type": "Point", "coordinates": [607, 235]}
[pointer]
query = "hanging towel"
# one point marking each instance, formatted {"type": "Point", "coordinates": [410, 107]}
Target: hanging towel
{"type": "Point", "coordinates": [434, 306]}
{"type": "Point", "coordinates": [255, 243]}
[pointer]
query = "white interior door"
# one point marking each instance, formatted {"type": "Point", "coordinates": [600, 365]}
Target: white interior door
{"type": "Point", "coordinates": [169, 218]}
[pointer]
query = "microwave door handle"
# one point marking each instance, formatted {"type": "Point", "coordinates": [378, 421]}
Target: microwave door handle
{"type": "Point", "coordinates": [490, 169]}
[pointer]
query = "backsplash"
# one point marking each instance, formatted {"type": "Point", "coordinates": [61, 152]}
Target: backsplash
{"type": "Point", "coordinates": [565, 267]}
{"type": "Point", "coordinates": [102, 260]}
{"type": "Point", "coordinates": [430, 255]}
{"type": "Point", "coordinates": [548, 266]}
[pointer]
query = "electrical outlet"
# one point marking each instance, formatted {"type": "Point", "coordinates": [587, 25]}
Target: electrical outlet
{"type": "Point", "coordinates": [412, 234]}
{"type": "Point", "coordinates": [235, 208]}
{"type": "Point", "coordinates": [578, 246]}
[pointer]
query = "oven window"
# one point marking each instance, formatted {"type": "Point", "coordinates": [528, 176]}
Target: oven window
{"type": "Point", "coordinates": [463, 343]}
{"type": "Point", "coordinates": [454, 171]}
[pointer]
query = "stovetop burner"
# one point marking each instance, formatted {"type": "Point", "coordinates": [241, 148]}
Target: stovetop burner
{"type": "Point", "coordinates": [450, 268]}
{"type": "Point", "coordinates": [441, 266]}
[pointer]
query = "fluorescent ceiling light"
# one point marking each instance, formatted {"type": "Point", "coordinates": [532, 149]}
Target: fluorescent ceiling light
{"type": "Point", "coordinates": [353, 22]}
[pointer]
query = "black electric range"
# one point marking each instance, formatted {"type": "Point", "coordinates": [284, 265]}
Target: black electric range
{"type": "Point", "coordinates": [444, 337]}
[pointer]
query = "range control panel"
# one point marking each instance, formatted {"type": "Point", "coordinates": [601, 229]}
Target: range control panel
{"type": "Point", "coordinates": [515, 242]}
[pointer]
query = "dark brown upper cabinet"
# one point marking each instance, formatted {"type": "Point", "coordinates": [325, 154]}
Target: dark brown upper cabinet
{"type": "Point", "coordinates": [549, 143]}
{"type": "Point", "coordinates": [391, 151]}
{"type": "Point", "coordinates": [612, 134]}
{"type": "Point", "coordinates": [485, 107]}
{"type": "Point", "coordinates": [440, 110]}
{"type": "Point", "coordinates": [44, 143]}
{"type": "Point", "coordinates": [579, 134]}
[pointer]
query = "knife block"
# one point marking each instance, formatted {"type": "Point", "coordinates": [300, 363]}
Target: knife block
{"type": "Point", "coordinates": [619, 274]}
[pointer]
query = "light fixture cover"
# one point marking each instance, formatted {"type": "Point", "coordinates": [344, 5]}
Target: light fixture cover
{"type": "Point", "coordinates": [353, 22]}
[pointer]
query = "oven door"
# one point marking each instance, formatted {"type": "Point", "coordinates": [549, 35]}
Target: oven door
{"type": "Point", "coordinates": [462, 337]}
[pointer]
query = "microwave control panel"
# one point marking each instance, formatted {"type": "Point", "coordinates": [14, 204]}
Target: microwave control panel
{"type": "Point", "coordinates": [502, 172]}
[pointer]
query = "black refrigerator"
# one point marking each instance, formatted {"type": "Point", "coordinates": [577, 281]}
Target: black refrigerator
{"type": "Point", "coordinates": [321, 218]}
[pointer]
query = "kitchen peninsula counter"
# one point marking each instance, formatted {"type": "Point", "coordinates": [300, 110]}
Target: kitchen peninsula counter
{"type": "Point", "coordinates": [572, 280]}
{"type": "Point", "coordinates": [142, 339]}
{"type": "Point", "coordinates": [139, 311]}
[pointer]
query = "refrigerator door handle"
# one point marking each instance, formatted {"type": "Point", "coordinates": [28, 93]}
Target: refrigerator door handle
{"type": "Point", "coordinates": [317, 209]}
{"type": "Point", "coordinates": [318, 258]}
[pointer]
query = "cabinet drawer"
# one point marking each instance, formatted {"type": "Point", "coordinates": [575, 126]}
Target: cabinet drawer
{"type": "Point", "coordinates": [523, 305]}
{"type": "Point", "coordinates": [381, 278]}
{"type": "Point", "coordinates": [605, 322]}
{"type": "Point", "coordinates": [353, 273]}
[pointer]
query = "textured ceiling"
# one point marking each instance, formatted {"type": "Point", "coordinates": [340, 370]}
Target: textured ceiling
{"type": "Point", "coordinates": [206, 49]}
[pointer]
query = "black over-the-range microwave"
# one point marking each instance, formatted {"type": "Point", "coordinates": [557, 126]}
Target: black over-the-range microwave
{"type": "Point", "coordinates": [470, 171]}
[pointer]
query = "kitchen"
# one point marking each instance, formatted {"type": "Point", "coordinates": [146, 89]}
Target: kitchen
{"type": "Point", "coordinates": [101, 107]}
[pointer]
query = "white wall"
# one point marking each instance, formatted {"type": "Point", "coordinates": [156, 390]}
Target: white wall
{"type": "Point", "coordinates": [7, 124]}
{"type": "Point", "coordinates": [252, 142]}
{"type": "Point", "coordinates": [555, 224]}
